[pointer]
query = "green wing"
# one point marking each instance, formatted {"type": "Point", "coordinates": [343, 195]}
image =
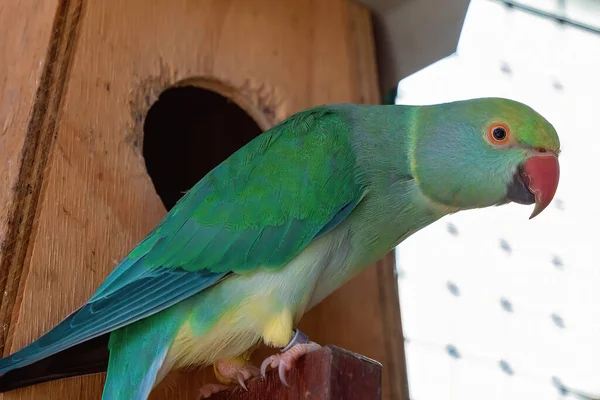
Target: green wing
{"type": "Point", "coordinates": [259, 208]}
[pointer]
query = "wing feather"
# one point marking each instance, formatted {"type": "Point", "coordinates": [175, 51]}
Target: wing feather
{"type": "Point", "coordinates": [258, 209]}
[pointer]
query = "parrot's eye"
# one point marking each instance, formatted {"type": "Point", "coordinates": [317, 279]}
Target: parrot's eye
{"type": "Point", "coordinates": [498, 134]}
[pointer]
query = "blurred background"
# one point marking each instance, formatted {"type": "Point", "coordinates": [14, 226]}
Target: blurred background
{"type": "Point", "coordinates": [495, 306]}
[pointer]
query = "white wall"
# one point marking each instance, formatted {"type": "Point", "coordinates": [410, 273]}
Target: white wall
{"type": "Point", "coordinates": [524, 319]}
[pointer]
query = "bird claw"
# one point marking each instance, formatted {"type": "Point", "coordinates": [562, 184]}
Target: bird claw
{"type": "Point", "coordinates": [285, 360]}
{"type": "Point", "coordinates": [245, 373]}
{"type": "Point", "coordinates": [229, 371]}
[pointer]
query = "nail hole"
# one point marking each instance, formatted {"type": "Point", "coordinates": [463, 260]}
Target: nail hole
{"type": "Point", "coordinates": [452, 351]}
{"type": "Point", "coordinates": [505, 246]}
{"type": "Point", "coordinates": [557, 262]}
{"type": "Point", "coordinates": [506, 305]}
{"type": "Point", "coordinates": [557, 86]}
{"type": "Point", "coordinates": [451, 228]}
{"type": "Point", "coordinates": [505, 68]}
{"type": "Point", "coordinates": [558, 321]}
{"type": "Point", "coordinates": [506, 367]}
{"type": "Point", "coordinates": [562, 389]}
{"type": "Point", "coordinates": [452, 288]}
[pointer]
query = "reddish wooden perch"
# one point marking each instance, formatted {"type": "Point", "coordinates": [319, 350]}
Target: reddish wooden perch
{"type": "Point", "coordinates": [330, 373]}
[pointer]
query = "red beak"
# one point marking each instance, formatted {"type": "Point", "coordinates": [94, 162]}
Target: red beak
{"type": "Point", "coordinates": [541, 173]}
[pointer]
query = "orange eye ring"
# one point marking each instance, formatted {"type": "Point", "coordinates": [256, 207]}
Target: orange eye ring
{"type": "Point", "coordinates": [498, 133]}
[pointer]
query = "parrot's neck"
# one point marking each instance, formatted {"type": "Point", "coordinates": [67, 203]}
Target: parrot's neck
{"type": "Point", "coordinates": [393, 207]}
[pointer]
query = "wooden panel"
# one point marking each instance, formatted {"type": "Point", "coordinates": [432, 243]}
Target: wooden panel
{"type": "Point", "coordinates": [275, 58]}
{"type": "Point", "coordinates": [27, 27]}
{"type": "Point", "coordinates": [330, 373]}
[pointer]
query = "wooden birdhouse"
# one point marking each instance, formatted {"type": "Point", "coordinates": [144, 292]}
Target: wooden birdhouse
{"type": "Point", "coordinates": [110, 110]}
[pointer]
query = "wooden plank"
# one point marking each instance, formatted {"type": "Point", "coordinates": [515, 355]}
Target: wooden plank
{"type": "Point", "coordinates": [274, 58]}
{"type": "Point", "coordinates": [330, 373]}
{"type": "Point", "coordinates": [395, 376]}
{"type": "Point", "coordinates": [27, 27]}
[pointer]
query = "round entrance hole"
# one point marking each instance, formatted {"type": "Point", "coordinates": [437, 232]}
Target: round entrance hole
{"type": "Point", "coordinates": [187, 132]}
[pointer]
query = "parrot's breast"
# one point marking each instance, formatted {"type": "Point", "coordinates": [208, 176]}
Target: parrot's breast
{"type": "Point", "coordinates": [235, 315]}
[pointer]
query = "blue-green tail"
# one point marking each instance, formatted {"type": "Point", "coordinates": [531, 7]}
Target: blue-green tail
{"type": "Point", "coordinates": [137, 352]}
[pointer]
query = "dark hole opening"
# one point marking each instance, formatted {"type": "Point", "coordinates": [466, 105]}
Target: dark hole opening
{"type": "Point", "coordinates": [188, 131]}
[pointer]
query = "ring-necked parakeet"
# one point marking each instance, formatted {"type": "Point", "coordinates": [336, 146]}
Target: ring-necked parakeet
{"type": "Point", "coordinates": [281, 224]}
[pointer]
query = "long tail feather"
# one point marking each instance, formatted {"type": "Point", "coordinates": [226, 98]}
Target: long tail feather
{"type": "Point", "coordinates": [86, 358]}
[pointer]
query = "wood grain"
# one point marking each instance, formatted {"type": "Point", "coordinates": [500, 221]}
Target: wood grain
{"type": "Point", "coordinates": [97, 201]}
{"type": "Point", "coordinates": [23, 50]}
{"type": "Point", "coordinates": [330, 373]}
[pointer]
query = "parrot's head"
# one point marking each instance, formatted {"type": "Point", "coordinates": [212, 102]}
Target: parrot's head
{"type": "Point", "coordinates": [483, 152]}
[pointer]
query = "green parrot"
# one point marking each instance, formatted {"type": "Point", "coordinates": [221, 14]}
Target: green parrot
{"type": "Point", "coordinates": [278, 226]}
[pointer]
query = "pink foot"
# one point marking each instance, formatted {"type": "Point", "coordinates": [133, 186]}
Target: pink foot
{"type": "Point", "coordinates": [229, 371]}
{"type": "Point", "coordinates": [285, 361]}
{"type": "Point", "coordinates": [235, 370]}
{"type": "Point", "coordinates": [209, 389]}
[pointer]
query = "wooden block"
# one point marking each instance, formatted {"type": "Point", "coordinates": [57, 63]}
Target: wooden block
{"type": "Point", "coordinates": [330, 373]}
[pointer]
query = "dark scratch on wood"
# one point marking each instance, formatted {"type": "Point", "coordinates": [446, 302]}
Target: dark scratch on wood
{"type": "Point", "coordinates": [40, 135]}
